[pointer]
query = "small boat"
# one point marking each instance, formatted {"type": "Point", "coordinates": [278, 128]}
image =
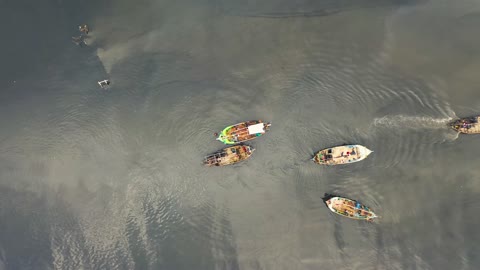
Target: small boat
{"type": "Point", "coordinates": [348, 208]}
{"type": "Point", "coordinates": [242, 132]}
{"type": "Point", "coordinates": [84, 29]}
{"type": "Point", "coordinates": [229, 155]}
{"type": "Point", "coordinates": [341, 154]}
{"type": "Point", "coordinates": [104, 84]}
{"type": "Point", "coordinates": [468, 125]}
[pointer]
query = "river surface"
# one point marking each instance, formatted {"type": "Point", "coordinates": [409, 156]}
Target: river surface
{"type": "Point", "coordinates": [113, 179]}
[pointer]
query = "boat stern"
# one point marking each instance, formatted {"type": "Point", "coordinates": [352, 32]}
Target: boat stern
{"type": "Point", "coordinates": [455, 125]}
{"type": "Point", "coordinates": [332, 203]}
{"type": "Point", "coordinates": [327, 199]}
{"type": "Point", "coordinates": [316, 159]}
{"type": "Point", "coordinates": [224, 138]}
{"type": "Point", "coordinates": [207, 161]}
{"type": "Point", "coordinates": [267, 126]}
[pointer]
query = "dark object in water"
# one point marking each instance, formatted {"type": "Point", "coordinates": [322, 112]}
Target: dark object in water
{"type": "Point", "coordinates": [468, 125]}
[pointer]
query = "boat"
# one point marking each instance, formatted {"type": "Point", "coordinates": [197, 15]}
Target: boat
{"type": "Point", "coordinates": [348, 208]}
{"type": "Point", "coordinates": [229, 155]}
{"type": "Point", "coordinates": [83, 29]}
{"type": "Point", "coordinates": [104, 84]}
{"type": "Point", "coordinates": [242, 132]}
{"type": "Point", "coordinates": [469, 125]}
{"type": "Point", "coordinates": [342, 154]}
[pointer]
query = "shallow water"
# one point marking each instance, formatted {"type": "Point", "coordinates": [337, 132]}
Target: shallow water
{"type": "Point", "coordinates": [93, 179]}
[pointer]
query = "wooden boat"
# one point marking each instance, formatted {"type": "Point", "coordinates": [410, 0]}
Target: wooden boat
{"type": "Point", "coordinates": [341, 154]}
{"type": "Point", "coordinates": [229, 155]}
{"type": "Point", "coordinates": [242, 132]}
{"type": "Point", "coordinates": [348, 208]}
{"type": "Point", "coordinates": [468, 125]}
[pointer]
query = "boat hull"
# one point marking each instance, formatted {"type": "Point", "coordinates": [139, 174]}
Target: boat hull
{"type": "Point", "coordinates": [243, 132]}
{"type": "Point", "coordinates": [469, 125]}
{"type": "Point", "coordinates": [229, 155]}
{"type": "Point", "coordinates": [349, 208]}
{"type": "Point", "coordinates": [344, 154]}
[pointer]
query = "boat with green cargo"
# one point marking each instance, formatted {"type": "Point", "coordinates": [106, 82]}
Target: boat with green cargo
{"type": "Point", "coordinates": [242, 132]}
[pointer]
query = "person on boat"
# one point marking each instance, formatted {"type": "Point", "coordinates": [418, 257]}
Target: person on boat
{"type": "Point", "coordinates": [466, 125]}
{"type": "Point", "coordinates": [84, 29]}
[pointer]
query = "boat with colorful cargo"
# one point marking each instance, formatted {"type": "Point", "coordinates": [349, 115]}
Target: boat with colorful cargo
{"type": "Point", "coordinates": [229, 155]}
{"type": "Point", "coordinates": [348, 208]}
{"type": "Point", "coordinates": [242, 132]}
{"type": "Point", "coordinates": [342, 154]}
{"type": "Point", "coordinates": [468, 125]}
